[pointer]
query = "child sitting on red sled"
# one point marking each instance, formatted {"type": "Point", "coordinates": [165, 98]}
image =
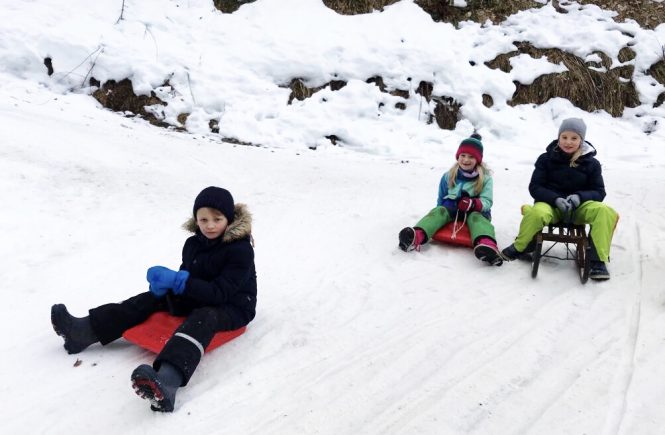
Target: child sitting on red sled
{"type": "Point", "coordinates": [465, 196]}
{"type": "Point", "coordinates": [215, 289]}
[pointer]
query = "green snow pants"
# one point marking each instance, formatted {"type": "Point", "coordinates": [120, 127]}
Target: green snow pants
{"type": "Point", "coordinates": [602, 218]}
{"type": "Point", "coordinates": [479, 225]}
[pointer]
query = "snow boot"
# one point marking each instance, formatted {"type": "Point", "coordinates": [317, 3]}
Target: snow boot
{"type": "Point", "coordinates": [159, 387]}
{"type": "Point", "coordinates": [510, 253]}
{"type": "Point", "coordinates": [411, 238]}
{"type": "Point", "coordinates": [597, 268]}
{"type": "Point", "coordinates": [77, 331]}
{"type": "Point", "coordinates": [598, 271]}
{"type": "Point", "coordinates": [487, 251]}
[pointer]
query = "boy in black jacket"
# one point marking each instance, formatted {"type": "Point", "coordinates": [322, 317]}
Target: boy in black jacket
{"type": "Point", "coordinates": [567, 183]}
{"type": "Point", "coordinates": [215, 288]}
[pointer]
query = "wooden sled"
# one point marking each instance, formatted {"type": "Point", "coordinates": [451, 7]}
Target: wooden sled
{"type": "Point", "coordinates": [461, 238]}
{"type": "Point", "coordinates": [573, 237]}
{"type": "Point", "coordinates": [159, 327]}
{"type": "Point", "coordinates": [566, 234]}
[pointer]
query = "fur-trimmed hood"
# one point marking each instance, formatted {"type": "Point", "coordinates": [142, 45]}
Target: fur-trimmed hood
{"type": "Point", "coordinates": [240, 228]}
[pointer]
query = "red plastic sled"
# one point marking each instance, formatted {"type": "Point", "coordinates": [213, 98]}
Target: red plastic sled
{"type": "Point", "coordinates": [462, 238]}
{"type": "Point", "coordinates": [156, 331]}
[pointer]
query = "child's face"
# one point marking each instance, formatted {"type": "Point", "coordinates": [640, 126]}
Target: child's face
{"type": "Point", "coordinates": [569, 141]}
{"type": "Point", "coordinates": [211, 222]}
{"type": "Point", "coordinates": [467, 161]}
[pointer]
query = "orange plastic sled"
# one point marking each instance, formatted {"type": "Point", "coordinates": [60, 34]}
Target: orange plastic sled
{"type": "Point", "coordinates": [156, 331]}
{"type": "Point", "coordinates": [462, 237]}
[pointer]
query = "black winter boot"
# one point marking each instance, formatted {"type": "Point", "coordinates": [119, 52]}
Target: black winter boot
{"type": "Point", "coordinates": [598, 271]}
{"type": "Point", "coordinates": [411, 238]}
{"type": "Point", "coordinates": [77, 331]}
{"type": "Point", "coordinates": [511, 253]}
{"type": "Point", "coordinates": [159, 387]}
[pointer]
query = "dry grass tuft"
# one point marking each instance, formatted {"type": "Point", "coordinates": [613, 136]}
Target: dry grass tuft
{"type": "Point", "coordinates": [354, 7]}
{"type": "Point", "coordinates": [585, 88]}
{"type": "Point", "coordinates": [647, 13]}
{"type": "Point", "coordinates": [120, 97]}
{"type": "Point", "coordinates": [300, 91]}
{"type": "Point", "coordinates": [476, 10]}
{"type": "Point", "coordinates": [446, 112]}
{"type": "Point", "coordinates": [230, 6]}
{"type": "Point", "coordinates": [441, 10]}
{"type": "Point", "coordinates": [657, 71]}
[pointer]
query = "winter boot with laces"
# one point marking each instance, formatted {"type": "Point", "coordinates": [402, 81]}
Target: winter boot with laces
{"type": "Point", "coordinates": [487, 251]}
{"type": "Point", "coordinates": [159, 387]}
{"type": "Point", "coordinates": [77, 332]}
{"type": "Point", "coordinates": [411, 238]}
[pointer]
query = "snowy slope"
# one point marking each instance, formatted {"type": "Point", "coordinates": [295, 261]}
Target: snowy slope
{"type": "Point", "coordinates": [352, 335]}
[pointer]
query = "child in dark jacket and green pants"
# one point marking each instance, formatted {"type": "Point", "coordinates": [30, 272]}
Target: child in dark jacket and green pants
{"type": "Point", "coordinates": [567, 184]}
{"type": "Point", "coordinates": [214, 288]}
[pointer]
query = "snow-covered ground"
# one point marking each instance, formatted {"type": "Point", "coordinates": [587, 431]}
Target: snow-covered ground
{"type": "Point", "coordinates": [352, 335]}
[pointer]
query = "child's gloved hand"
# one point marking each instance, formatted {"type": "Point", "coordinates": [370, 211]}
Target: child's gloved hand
{"type": "Point", "coordinates": [563, 205]}
{"type": "Point", "coordinates": [574, 200]}
{"type": "Point", "coordinates": [468, 204]}
{"type": "Point", "coordinates": [162, 279]}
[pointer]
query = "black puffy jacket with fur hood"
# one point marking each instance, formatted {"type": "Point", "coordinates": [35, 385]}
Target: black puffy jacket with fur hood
{"type": "Point", "coordinates": [222, 271]}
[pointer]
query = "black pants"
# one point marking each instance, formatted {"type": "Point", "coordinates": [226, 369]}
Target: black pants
{"type": "Point", "coordinates": [185, 348]}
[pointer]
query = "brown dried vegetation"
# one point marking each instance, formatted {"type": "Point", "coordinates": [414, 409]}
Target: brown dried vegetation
{"type": "Point", "coordinates": [610, 90]}
{"type": "Point", "coordinates": [229, 6]}
{"type": "Point", "coordinates": [647, 13]}
{"type": "Point", "coordinates": [657, 71]}
{"type": "Point", "coordinates": [300, 91]}
{"type": "Point", "coordinates": [441, 10]}
{"type": "Point", "coordinates": [120, 97]}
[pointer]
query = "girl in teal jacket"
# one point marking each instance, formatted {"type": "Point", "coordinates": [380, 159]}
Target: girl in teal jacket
{"type": "Point", "coordinates": [465, 194]}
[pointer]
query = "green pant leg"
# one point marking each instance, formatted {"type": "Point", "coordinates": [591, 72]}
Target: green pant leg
{"type": "Point", "coordinates": [433, 221]}
{"type": "Point", "coordinates": [480, 226]}
{"type": "Point", "coordinates": [534, 218]}
{"type": "Point", "coordinates": [603, 220]}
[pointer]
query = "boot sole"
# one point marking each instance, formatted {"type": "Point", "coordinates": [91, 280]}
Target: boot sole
{"type": "Point", "coordinates": [600, 277]}
{"type": "Point", "coordinates": [147, 386]}
{"type": "Point", "coordinates": [488, 255]}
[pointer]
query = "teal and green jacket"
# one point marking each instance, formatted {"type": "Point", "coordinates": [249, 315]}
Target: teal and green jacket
{"type": "Point", "coordinates": [464, 186]}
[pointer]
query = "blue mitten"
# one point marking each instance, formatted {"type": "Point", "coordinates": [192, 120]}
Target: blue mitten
{"type": "Point", "coordinates": [162, 279]}
{"type": "Point", "coordinates": [158, 291]}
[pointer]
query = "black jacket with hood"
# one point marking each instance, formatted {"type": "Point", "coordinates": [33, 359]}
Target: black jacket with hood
{"type": "Point", "coordinates": [221, 271]}
{"type": "Point", "coordinates": [554, 178]}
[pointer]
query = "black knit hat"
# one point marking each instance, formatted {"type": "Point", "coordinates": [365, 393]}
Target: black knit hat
{"type": "Point", "coordinates": [217, 198]}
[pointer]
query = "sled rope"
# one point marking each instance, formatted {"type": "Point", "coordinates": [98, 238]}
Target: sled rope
{"type": "Point", "coordinates": [457, 228]}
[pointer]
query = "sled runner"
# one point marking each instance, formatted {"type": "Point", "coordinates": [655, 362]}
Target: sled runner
{"type": "Point", "coordinates": [156, 331]}
{"type": "Point", "coordinates": [455, 233]}
{"type": "Point", "coordinates": [566, 234]}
